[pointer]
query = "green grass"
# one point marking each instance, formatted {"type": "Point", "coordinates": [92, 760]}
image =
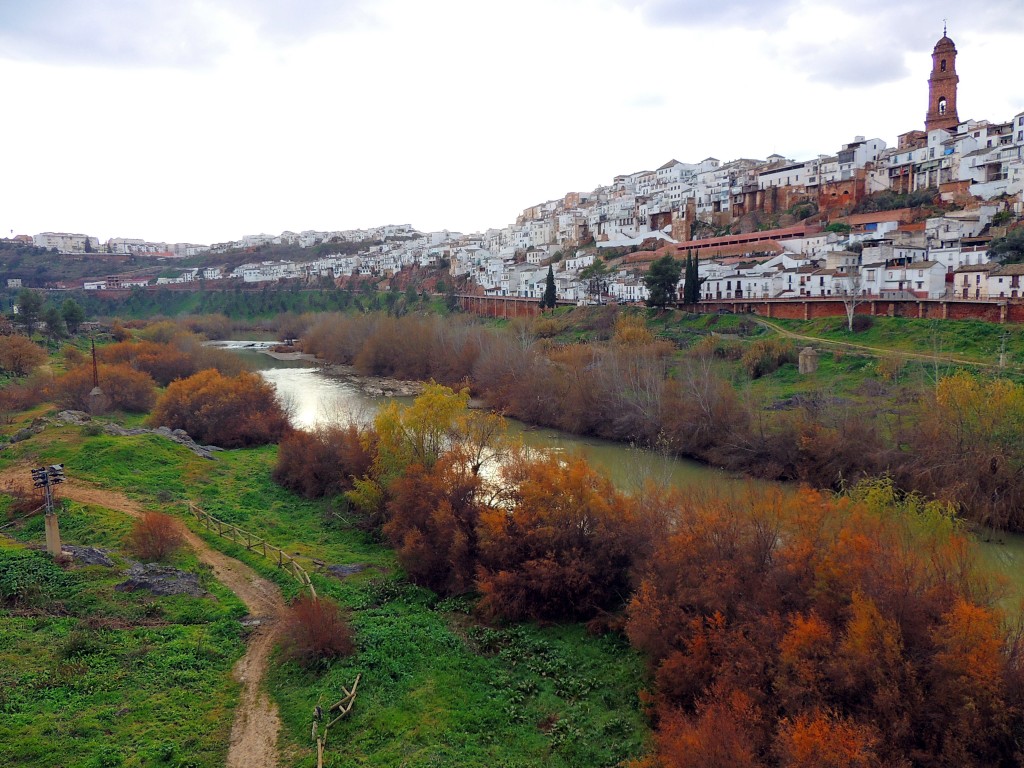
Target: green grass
{"type": "Point", "coordinates": [438, 688]}
{"type": "Point", "coordinates": [968, 339]}
{"type": "Point", "coordinates": [94, 677]}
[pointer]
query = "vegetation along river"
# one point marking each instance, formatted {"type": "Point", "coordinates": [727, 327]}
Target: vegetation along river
{"type": "Point", "coordinates": [315, 397]}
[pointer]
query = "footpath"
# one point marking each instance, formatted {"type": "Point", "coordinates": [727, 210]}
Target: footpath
{"type": "Point", "coordinates": [257, 724]}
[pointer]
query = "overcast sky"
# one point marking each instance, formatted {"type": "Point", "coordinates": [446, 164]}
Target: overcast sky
{"type": "Point", "coordinates": [203, 120]}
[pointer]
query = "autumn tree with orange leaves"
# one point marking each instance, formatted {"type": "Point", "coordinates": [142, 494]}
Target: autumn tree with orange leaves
{"type": "Point", "coordinates": [229, 411]}
{"type": "Point", "coordinates": [562, 546]}
{"type": "Point", "coordinates": [808, 631]}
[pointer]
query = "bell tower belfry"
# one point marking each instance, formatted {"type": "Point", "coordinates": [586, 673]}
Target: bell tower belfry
{"type": "Point", "coordinates": [942, 87]}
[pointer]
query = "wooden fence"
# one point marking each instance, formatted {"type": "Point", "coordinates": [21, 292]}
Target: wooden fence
{"type": "Point", "coordinates": [254, 544]}
{"type": "Point", "coordinates": [343, 707]}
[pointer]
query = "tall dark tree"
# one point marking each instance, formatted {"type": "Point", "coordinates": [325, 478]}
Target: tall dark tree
{"type": "Point", "coordinates": [550, 295]}
{"type": "Point", "coordinates": [88, 245]}
{"type": "Point", "coordinates": [691, 281]}
{"type": "Point", "coordinates": [73, 314]}
{"type": "Point", "coordinates": [54, 324]}
{"type": "Point", "coordinates": [30, 306]}
{"type": "Point", "coordinates": [661, 281]}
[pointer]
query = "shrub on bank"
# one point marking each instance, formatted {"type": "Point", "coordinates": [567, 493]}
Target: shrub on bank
{"type": "Point", "coordinates": [324, 461]}
{"type": "Point", "coordinates": [123, 388]}
{"type": "Point", "coordinates": [315, 631]}
{"type": "Point", "coordinates": [229, 411]}
{"type": "Point", "coordinates": [566, 548]}
{"type": "Point", "coordinates": [177, 355]}
{"type": "Point", "coordinates": [767, 356]}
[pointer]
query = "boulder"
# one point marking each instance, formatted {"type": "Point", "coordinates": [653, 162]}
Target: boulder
{"type": "Point", "coordinates": [73, 417]}
{"type": "Point", "coordinates": [89, 555]}
{"type": "Point", "coordinates": [161, 580]}
{"type": "Point", "coordinates": [341, 571]}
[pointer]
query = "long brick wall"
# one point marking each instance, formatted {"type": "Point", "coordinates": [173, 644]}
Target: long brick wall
{"type": "Point", "coordinates": [501, 306]}
{"type": "Point", "coordinates": [791, 309]}
{"type": "Point", "coordinates": [809, 309]}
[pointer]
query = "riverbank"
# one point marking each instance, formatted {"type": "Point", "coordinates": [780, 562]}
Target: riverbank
{"type": "Point", "coordinates": [372, 386]}
{"type": "Point", "coordinates": [471, 695]}
{"type": "Point", "coordinates": [337, 394]}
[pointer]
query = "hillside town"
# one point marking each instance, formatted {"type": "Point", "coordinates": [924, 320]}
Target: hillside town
{"type": "Point", "coordinates": [761, 228]}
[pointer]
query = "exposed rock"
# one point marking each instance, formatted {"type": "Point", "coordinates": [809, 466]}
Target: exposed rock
{"type": "Point", "coordinates": [26, 432]}
{"type": "Point", "coordinates": [341, 571]}
{"type": "Point", "coordinates": [161, 580]}
{"type": "Point", "coordinates": [89, 555]}
{"type": "Point", "coordinates": [73, 417]}
{"type": "Point", "coordinates": [376, 386]}
{"type": "Point", "coordinates": [179, 436]}
{"type": "Point", "coordinates": [379, 387]}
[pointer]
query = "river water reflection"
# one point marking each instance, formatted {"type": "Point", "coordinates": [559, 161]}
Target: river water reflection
{"type": "Point", "coordinates": [315, 398]}
{"type": "Point", "coordinates": [318, 398]}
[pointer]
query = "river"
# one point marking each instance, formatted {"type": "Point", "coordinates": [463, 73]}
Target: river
{"type": "Point", "coordinates": [315, 397]}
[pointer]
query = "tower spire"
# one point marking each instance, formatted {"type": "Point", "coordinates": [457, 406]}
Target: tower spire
{"type": "Point", "coordinates": [942, 86]}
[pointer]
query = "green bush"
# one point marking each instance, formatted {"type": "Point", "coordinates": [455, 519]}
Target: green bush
{"type": "Point", "coordinates": [767, 356]}
{"type": "Point", "coordinates": [26, 577]}
{"type": "Point", "coordinates": [862, 323]}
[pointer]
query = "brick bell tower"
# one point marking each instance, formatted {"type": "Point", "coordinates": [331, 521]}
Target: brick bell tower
{"type": "Point", "coordinates": [942, 87]}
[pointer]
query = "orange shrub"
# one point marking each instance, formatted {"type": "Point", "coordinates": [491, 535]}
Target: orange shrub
{"type": "Point", "coordinates": [858, 629]}
{"type": "Point", "coordinates": [123, 388]}
{"type": "Point", "coordinates": [432, 519]}
{"type": "Point", "coordinates": [119, 332]}
{"type": "Point", "coordinates": [19, 355]}
{"type": "Point", "coordinates": [563, 549]}
{"type": "Point", "coordinates": [232, 412]}
{"type": "Point", "coordinates": [164, 362]}
{"type": "Point", "coordinates": [324, 461]}
{"type": "Point", "coordinates": [315, 631]}
{"type": "Point", "coordinates": [155, 536]}
{"type": "Point", "coordinates": [20, 397]}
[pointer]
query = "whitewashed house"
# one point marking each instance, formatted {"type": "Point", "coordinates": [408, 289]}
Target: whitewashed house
{"type": "Point", "coordinates": [1005, 281]}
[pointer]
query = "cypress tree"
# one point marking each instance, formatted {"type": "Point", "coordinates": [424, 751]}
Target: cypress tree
{"type": "Point", "coordinates": [550, 295]}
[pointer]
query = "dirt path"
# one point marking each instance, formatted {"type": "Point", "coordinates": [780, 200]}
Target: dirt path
{"type": "Point", "coordinates": [876, 351]}
{"type": "Point", "coordinates": [254, 731]}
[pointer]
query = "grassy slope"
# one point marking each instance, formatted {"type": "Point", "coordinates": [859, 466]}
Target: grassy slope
{"type": "Point", "coordinates": [94, 677]}
{"type": "Point", "coordinates": [966, 339]}
{"type": "Point", "coordinates": [437, 688]}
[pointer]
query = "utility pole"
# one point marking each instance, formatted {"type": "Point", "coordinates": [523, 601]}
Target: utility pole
{"type": "Point", "coordinates": [46, 478]}
{"type": "Point", "coordinates": [96, 394]}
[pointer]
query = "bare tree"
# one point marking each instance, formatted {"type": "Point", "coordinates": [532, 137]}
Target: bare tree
{"type": "Point", "coordinates": [850, 288]}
